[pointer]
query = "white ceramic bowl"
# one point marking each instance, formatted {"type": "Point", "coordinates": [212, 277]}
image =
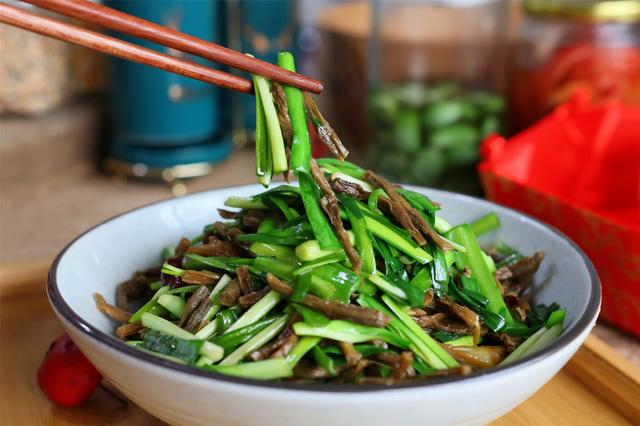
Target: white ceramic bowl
{"type": "Point", "coordinates": [108, 254]}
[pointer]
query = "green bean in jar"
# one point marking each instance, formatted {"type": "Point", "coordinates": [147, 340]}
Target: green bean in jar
{"type": "Point", "coordinates": [429, 135]}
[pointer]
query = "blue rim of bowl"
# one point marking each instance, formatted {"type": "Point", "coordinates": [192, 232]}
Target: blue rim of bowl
{"type": "Point", "coordinates": [582, 323]}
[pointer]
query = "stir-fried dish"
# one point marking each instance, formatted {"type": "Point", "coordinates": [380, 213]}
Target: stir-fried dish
{"type": "Point", "coordinates": [345, 277]}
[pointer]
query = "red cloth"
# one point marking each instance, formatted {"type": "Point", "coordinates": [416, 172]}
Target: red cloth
{"type": "Point", "coordinates": [578, 169]}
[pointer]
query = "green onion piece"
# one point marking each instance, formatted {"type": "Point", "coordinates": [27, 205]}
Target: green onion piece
{"type": "Point", "coordinates": [538, 341]}
{"type": "Point", "coordinates": [372, 201]}
{"type": "Point", "coordinates": [162, 325]}
{"type": "Point", "coordinates": [268, 224]}
{"type": "Point", "coordinates": [280, 252]}
{"type": "Point", "coordinates": [365, 350]}
{"type": "Point", "coordinates": [288, 212]}
{"type": "Point", "coordinates": [337, 257]}
{"type": "Point", "coordinates": [556, 317]}
{"type": "Point", "coordinates": [321, 287]}
{"type": "Point", "coordinates": [485, 224]}
{"type": "Point", "coordinates": [268, 369]}
{"type": "Point", "coordinates": [273, 237]}
{"type": "Point", "coordinates": [546, 339]}
{"type": "Point", "coordinates": [422, 279]}
{"type": "Point", "coordinates": [212, 351]}
{"type": "Point", "coordinates": [346, 167]}
{"type": "Point", "coordinates": [276, 142]}
{"type": "Point", "coordinates": [342, 280]}
{"type": "Point", "coordinates": [203, 361]}
{"type": "Point", "coordinates": [362, 235]}
{"type": "Point", "coordinates": [237, 337]}
{"type": "Point", "coordinates": [257, 311]}
{"type": "Point", "coordinates": [387, 234]}
{"type": "Point", "coordinates": [219, 287]}
{"type": "Point", "coordinates": [304, 345]}
{"type": "Point", "coordinates": [245, 203]}
{"type": "Point", "coordinates": [521, 351]}
{"type": "Point", "coordinates": [173, 304]}
{"type": "Point", "coordinates": [278, 268]}
{"type": "Point", "coordinates": [441, 226]}
{"type": "Point", "coordinates": [264, 167]}
{"type": "Point", "coordinates": [187, 350]}
{"type": "Point", "coordinates": [301, 144]}
{"type": "Point", "coordinates": [490, 263]}
{"type": "Point", "coordinates": [301, 288]}
{"type": "Point", "coordinates": [195, 261]}
{"type": "Point", "coordinates": [318, 220]}
{"type": "Point", "coordinates": [172, 270]}
{"type": "Point", "coordinates": [226, 318]}
{"type": "Point", "coordinates": [208, 330]}
{"type": "Point", "coordinates": [473, 258]}
{"type": "Point", "coordinates": [153, 322]}
{"type": "Point", "coordinates": [147, 306]}
{"type": "Point", "coordinates": [311, 250]}
{"type": "Point", "coordinates": [163, 356]}
{"type": "Point", "coordinates": [310, 316]}
{"type": "Point", "coordinates": [324, 360]}
{"type": "Point", "coordinates": [437, 357]}
{"type": "Point", "coordinates": [418, 201]}
{"type": "Point", "coordinates": [157, 310]}
{"type": "Point", "coordinates": [183, 289]}
{"type": "Point", "coordinates": [256, 341]}
{"type": "Point", "coordinates": [387, 287]}
{"type": "Point", "coordinates": [439, 272]}
{"type": "Point", "coordinates": [347, 331]}
{"type": "Point", "coordinates": [461, 341]}
{"type": "Point", "coordinates": [444, 336]}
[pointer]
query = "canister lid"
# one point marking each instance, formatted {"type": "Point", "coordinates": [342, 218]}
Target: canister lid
{"type": "Point", "coordinates": [586, 10]}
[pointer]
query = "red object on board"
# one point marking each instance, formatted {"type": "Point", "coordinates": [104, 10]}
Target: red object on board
{"type": "Point", "coordinates": [578, 169]}
{"type": "Point", "coordinates": [66, 376]}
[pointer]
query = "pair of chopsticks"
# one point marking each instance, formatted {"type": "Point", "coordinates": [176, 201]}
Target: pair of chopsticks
{"type": "Point", "coordinates": [106, 17]}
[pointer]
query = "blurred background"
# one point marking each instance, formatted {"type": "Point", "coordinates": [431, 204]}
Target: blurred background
{"type": "Point", "coordinates": [413, 87]}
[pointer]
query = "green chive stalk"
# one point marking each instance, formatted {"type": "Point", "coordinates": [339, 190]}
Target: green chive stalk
{"type": "Point", "coordinates": [301, 144]}
{"type": "Point", "coordinates": [473, 258]}
{"type": "Point", "coordinates": [276, 142]}
{"type": "Point", "coordinates": [264, 166]}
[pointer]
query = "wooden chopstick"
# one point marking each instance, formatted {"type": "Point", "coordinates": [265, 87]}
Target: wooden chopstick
{"type": "Point", "coordinates": [113, 19]}
{"type": "Point", "coordinates": [112, 46]}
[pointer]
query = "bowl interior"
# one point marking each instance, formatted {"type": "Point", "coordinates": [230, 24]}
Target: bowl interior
{"type": "Point", "coordinates": [109, 253]}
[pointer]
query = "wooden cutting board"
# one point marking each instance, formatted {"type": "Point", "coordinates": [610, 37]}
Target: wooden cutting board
{"type": "Point", "coordinates": [597, 387]}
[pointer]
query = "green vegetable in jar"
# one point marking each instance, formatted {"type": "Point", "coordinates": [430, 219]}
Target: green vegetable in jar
{"type": "Point", "coordinates": [445, 113]}
{"type": "Point", "coordinates": [459, 136]}
{"type": "Point", "coordinates": [428, 166]}
{"type": "Point", "coordinates": [414, 95]}
{"type": "Point", "coordinates": [407, 130]}
{"type": "Point", "coordinates": [384, 107]}
{"type": "Point", "coordinates": [423, 134]}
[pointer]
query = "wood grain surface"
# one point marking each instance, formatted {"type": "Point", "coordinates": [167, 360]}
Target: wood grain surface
{"type": "Point", "coordinates": [597, 387]}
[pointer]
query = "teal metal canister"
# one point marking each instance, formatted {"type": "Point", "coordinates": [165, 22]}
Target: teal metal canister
{"type": "Point", "coordinates": [162, 120]}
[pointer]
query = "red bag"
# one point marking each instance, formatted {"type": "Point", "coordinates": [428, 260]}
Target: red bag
{"type": "Point", "coordinates": [578, 169]}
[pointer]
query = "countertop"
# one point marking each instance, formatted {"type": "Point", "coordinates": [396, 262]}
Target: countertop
{"type": "Point", "coordinates": [51, 190]}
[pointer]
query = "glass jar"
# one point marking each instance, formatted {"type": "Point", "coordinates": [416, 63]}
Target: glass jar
{"type": "Point", "coordinates": [36, 71]}
{"type": "Point", "coordinates": [434, 88]}
{"type": "Point", "coordinates": [568, 46]}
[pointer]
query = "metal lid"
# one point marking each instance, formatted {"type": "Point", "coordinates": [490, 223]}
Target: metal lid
{"type": "Point", "coordinates": [586, 10]}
